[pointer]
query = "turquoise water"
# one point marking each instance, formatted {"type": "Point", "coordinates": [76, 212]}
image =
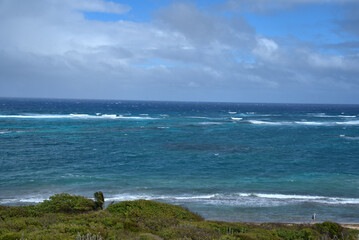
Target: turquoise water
{"type": "Point", "coordinates": [226, 161]}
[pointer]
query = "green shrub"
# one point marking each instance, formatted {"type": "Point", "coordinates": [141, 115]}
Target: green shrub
{"type": "Point", "coordinates": [67, 203]}
{"type": "Point", "coordinates": [21, 211]}
{"type": "Point", "coordinates": [11, 236]}
{"type": "Point", "coordinates": [149, 236]}
{"type": "Point", "coordinates": [287, 234]}
{"type": "Point", "coordinates": [131, 226]}
{"type": "Point", "coordinates": [307, 234]}
{"type": "Point", "coordinates": [89, 236]}
{"type": "Point", "coordinates": [187, 231]}
{"type": "Point", "coordinates": [151, 209]}
{"type": "Point", "coordinates": [65, 216]}
{"type": "Point", "coordinates": [330, 228]}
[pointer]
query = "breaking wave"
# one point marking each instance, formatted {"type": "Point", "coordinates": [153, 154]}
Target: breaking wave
{"type": "Point", "coordinates": [305, 123]}
{"type": "Point", "coordinates": [229, 199]}
{"type": "Point", "coordinates": [76, 116]}
{"type": "Point", "coordinates": [244, 199]}
{"type": "Point", "coordinates": [323, 115]}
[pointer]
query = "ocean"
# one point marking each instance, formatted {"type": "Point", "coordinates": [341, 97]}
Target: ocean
{"type": "Point", "coordinates": [225, 161]}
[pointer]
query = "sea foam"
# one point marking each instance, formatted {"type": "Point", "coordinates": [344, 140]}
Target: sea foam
{"type": "Point", "coordinates": [76, 116]}
{"type": "Point", "coordinates": [304, 123]}
{"type": "Point", "coordinates": [242, 199]}
{"type": "Point", "coordinates": [236, 118]}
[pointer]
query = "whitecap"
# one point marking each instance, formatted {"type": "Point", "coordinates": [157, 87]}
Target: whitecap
{"type": "Point", "coordinates": [76, 116]}
{"type": "Point", "coordinates": [356, 122]}
{"type": "Point", "coordinates": [243, 199]}
{"type": "Point", "coordinates": [314, 123]}
{"type": "Point", "coordinates": [210, 123]}
{"type": "Point", "coordinates": [324, 115]}
{"type": "Point", "coordinates": [349, 137]}
{"type": "Point", "coordinates": [236, 118]}
{"type": "Point", "coordinates": [230, 199]}
{"type": "Point", "coordinates": [23, 200]}
{"type": "Point", "coordinates": [347, 116]}
{"type": "Point", "coordinates": [259, 122]}
{"type": "Point", "coordinates": [199, 117]}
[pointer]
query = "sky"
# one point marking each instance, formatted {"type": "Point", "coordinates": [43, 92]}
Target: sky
{"type": "Point", "coordinates": [278, 51]}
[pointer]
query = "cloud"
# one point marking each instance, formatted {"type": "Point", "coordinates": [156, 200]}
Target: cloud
{"type": "Point", "coordinates": [49, 49]}
{"type": "Point", "coordinates": [349, 22]}
{"type": "Point", "coordinates": [96, 6]}
{"type": "Point", "coordinates": [200, 28]}
{"type": "Point", "coordinates": [265, 6]}
{"type": "Point", "coordinates": [266, 48]}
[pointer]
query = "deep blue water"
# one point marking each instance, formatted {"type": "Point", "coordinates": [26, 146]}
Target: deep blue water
{"type": "Point", "coordinates": [226, 161]}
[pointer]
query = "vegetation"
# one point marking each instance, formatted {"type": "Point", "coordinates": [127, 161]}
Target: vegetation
{"type": "Point", "coordinates": [65, 216]}
{"type": "Point", "coordinates": [99, 200]}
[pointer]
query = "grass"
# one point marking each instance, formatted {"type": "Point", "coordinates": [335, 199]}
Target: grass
{"type": "Point", "coordinates": [66, 216]}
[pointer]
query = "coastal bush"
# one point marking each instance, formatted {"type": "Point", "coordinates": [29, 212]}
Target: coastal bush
{"type": "Point", "coordinates": [89, 236]}
{"type": "Point", "coordinates": [151, 209]}
{"type": "Point", "coordinates": [149, 236]}
{"type": "Point", "coordinates": [65, 217]}
{"type": "Point", "coordinates": [21, 211]}
{"type": "Point", "coordinates": [290, 234]}
{"type": "Point", "coordinates": [225, 227]}
{"type": "Point", "coordinates": [67, 203]}
{"type": "Point", "coordinates": [330, 228]}
{"type": "Point", "coordinates": [11, 236]}
{"type": "Point", "coordinates": [188, 231]}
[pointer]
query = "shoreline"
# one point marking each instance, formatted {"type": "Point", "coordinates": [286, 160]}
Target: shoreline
{"type": "Point", "coordinates": [66, 216]}
{"type": "Point", "coordinates": [347, 224]}
{"type": "Point", "coordinates": [350, 225]}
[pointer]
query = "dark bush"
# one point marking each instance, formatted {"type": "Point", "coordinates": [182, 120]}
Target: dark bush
{"type": "Point", "coordinates": [21, 211]}
{"type": "Point", "coordinates": [330, 228]}
{"type": "Point", "coordinates": [151, 209]}
{"type": "Point", "coordinates": [67, 203]}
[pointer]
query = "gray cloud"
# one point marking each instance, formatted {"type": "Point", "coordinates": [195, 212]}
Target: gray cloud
{"type": "Point", "coordinates": [350, 20]}
{"type": "Point", "coordinates": [265, 6]}
{"type": "Point", "coordinates": [48, 49]}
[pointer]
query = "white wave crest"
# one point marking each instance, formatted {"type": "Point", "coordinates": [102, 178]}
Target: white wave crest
{"type": "Point", "coordinates": [231, 199]}
{"type": "Point", "coordinates": [349, 123]}
{"type": "Point", "coordinates": [349, 137]}
{"type": "Point", "coordinates": [76, 116]}
{"type": "Point", "coordinates": [304, 123]}
{"type": "Point", "coordinates": [244, 199]}
{"type": "Point", "coordinates": [236, 118]}
{"type": "Point", "coordinates": [314, 123]}
{"type": "Point", "coordinates": [12, 131]}
{"type": "Point", "coordinates": [210, 123]}
{"type": "Point", "coordinates": [259, 122]}
{"type": "Point", "coordinates": [323, 115]}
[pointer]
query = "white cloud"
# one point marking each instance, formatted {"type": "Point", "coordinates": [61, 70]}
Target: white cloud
{"type": "Point", "coordinates": [48, 48]}
{"type": "Point", "coordinates": [266, 49]}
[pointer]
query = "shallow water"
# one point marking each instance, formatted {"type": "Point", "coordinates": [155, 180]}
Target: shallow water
{"type": "Point", "coordinates": [226, 161]}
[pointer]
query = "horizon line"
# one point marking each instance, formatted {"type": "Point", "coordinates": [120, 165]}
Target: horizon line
{"type": "Point", "coordinates": [173, 101]}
